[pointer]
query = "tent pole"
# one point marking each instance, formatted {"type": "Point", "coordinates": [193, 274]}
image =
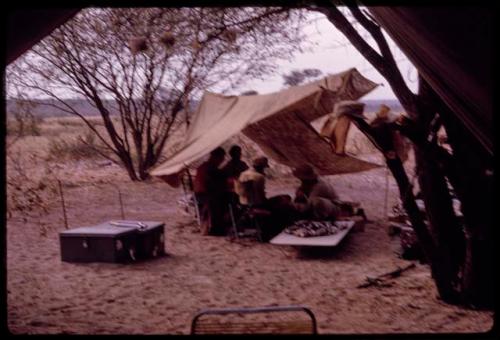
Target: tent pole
{"type": "Point", "coordinates": [191, 188]}
{"type": "Point", "coordinates": [63, 205]}
{"type": "Point", "coordinates": [121, 203]}
{"type": "Point", "coordinates": [185, 191]}
{"type": "Point", "coordinates": [386, 201]}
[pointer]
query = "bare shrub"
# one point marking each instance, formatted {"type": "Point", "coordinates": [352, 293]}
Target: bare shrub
{"type": "Point", "coordinates": [72, 123]}
{"type": "Point", "coordinates": [31, 184]}
{"type": "Point", "coordinates": [82, 148]}
{"type": "Point", "coordinates": [24, 123]}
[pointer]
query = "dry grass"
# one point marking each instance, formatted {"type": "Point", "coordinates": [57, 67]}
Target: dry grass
{"type": "Point", "coordinates": [67, 126]}
{"type": "Point", "coordinates": [59, 139]}
{"type": "Point", "coordinates": [64, 140]}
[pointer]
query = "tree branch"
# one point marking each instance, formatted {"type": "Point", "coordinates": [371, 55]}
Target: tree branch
{"type": "Point", "coordinates": [384, 63]}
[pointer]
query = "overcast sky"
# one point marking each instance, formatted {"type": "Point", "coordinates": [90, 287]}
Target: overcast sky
{"type": "Point", "coordinates": [333, 53]}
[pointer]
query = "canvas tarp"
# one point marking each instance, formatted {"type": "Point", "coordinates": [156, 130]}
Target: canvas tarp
{"type": "Point", "coordinates": [284, 115]}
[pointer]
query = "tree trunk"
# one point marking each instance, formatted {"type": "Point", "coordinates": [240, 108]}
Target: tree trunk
{"type": "Point", "coordinates": [446, 249]}
{"type": "Point", "coordinates": [149, 160]}
{"type": "Point", "coordinates": [129, 165]}
{"type": "Point", "coordinates": [143, 172]}
{"type": "Point", "coordinates": [131, 173]}
{"type": "Point", "coordinates": [444, 225]}
{"type": "Point", "coordinates": [411, 208]}
{"type": "Point", "coordinates": [144, 166]}
{"type": "Point", "coordinates": [447, 234]}
{"type": "Point", "coordinates": [465, 251]}
{"type": "Point", "coordinates": [381, 137]}
{"type": "Point", "coordinates": [436, 253]}
{"type": "Point", "coordinates": [474, 188]}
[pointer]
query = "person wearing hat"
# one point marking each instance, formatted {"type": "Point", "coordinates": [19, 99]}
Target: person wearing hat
{"type": "Point", "coordinates": [251, 184]}
{"type": "Point", "coordinates": [276, 212]}
{"type": "Point", "coordinates": [315, 198]}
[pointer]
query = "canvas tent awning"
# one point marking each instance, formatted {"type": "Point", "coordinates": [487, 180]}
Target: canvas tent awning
{"type": "Point", "coordinates": [279, 122]}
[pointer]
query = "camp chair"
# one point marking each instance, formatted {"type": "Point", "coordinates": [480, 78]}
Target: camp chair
{"type": "Point", "coordinates": [255, 320]}
{"type": "Point", "coordinates": [245, 221]}
{"type": "Point", "coordinates": [189, 196]}
{"type": "Point", "coordinates": [245, 218]}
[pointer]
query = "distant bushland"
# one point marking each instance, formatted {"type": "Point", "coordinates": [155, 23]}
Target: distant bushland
{"type": "Point", "coordinates": [43, 110]}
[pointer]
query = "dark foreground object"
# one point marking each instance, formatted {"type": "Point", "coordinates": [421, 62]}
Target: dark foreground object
{"type": "Point", "coordinates": [113, 241]}
{"type": "Point", "coordinates": [255, 320]}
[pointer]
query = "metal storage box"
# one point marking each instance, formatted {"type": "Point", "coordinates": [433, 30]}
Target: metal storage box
{"type": "Point", "coordinates": [150, 240]}
{"type": "Point", "coordinates": [113, 241]}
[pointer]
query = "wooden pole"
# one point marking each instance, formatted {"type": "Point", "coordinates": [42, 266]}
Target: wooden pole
{"type": "Point", "coordinates": [191, 188]}
{"type": "Point", "coordinates": [386, 198]}
{"type": "Point", "coordinates": [121, 203]}
{"type": "Point", "coordinates": [185, 189]}
{"type": "Point", "coordinates": [63, 205]}
{"type": "Point", "coordinates": [190, 180]}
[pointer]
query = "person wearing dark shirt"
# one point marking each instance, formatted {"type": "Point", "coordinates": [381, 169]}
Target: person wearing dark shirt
{"type": "Point", "coordinates": [235, 166]}
{"type": "Point", "coordinates": [209, 190]}
{"type": "Point", "coordinates": [232, 170]}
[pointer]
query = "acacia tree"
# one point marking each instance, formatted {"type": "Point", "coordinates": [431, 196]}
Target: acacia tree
{"type": "Point", "coordinates": [460, 256]}
{"type": "Point", "coordinates": [148, 64]}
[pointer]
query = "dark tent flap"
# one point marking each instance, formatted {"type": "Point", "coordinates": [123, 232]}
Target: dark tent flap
{"type": "Point", "coordinates": [452, 48]}
{"type": "Point", "coordinates": [295, 142]}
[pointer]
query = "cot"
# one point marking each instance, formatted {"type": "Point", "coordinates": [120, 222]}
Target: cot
{"type": "Point", "coordinates": [286, 239]}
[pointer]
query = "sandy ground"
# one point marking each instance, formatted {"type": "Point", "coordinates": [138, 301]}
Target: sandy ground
{"type": "Point", "coordinates": [160, 296]}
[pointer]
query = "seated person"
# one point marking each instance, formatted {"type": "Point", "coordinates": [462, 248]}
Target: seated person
{"type": "Point", "coordinates": [251, 184]}
{"type": "Point", "coordinates": [316, 198]}
{"type": "Point", "coordinates": [275, 212]}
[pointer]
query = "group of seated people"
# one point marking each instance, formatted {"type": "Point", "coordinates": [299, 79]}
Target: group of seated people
{"type": "Point", "coordinates": [235, 184]}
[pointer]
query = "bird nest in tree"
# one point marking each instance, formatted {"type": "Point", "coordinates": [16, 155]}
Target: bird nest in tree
{"type": "Point", "coordinates": [167, 39]}
{"type": "Point", "coordinates": [230, 35]}
{"type": "Point", "coordinates": [196, 44]}
{"type": "Point", "coordinates": [138, 44]}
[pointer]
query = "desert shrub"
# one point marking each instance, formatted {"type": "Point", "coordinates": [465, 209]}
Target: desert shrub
{"type": "Point", "coordinates": [23, 126]}
{"type": "Point", "coordinates": [24, 122]}
{"type": "Point", "coordinates": [81, 148]}
{"type": "Point", "coordinates": [32, 128]}
{"type": "Point", "coordinates": [71, 123]}
{"type": "Point", "coordinates": [11, 128]}
{"type": "Point", "coordinates": [97, 121]}
{"type": "Point", "coordinates": [31, 184]}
